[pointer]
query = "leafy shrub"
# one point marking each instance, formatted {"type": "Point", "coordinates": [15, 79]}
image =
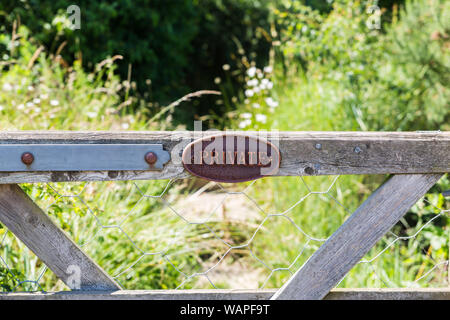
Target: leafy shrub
{"type": "Point", "coordinates": [231, 33]}
{"type": "Point", "coordinates": [173, 46]}
{"type": "Point", "coordinates": [412, 88]}
{"type": "Point", "coordinates": [39, 93]}
{"type": "Point", "coordinates": [396, 80]}
{"type": "Point", "coordinates": [154, 37]}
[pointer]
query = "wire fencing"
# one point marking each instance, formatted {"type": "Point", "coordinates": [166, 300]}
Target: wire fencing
{"type": "Point", "coordinates": [187, 233]}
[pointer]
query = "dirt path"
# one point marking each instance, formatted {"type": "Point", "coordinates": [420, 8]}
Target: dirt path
{"type": "Point", "coordinates": [219, 206]}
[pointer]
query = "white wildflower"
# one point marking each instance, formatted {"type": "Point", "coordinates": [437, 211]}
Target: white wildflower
{"type": "Point", "coordinates": [30, 88]}
{"type": "Point", "coordinates": [30, 104]}
{"type": "Point", "coordinates": [251, 72]}
{"type": "Point", "coordinates": [91, 114]}
{"type": "Point", "coordinates": [267, 83]}
{"type": "Point", "coordinates": [54, 103]}
{"type": "Point", "coordinates": [125, 125]}
{"type": "Point", "coordinates": [246, 115]}
{"type": "Point", "coordinates": [217, 80]}
{"type": "Point", "coordinates": [37, 110]}
{"type": "Point", "coordinates": [245, 123]}
{"type": "Point", "coordinates": [271, 103]}
{"type": "Point", "coordinates": [226, 67]}
{"type": "Point", "coordinates": [21, 106]}
{"type": "Point", "coordinates": [256, 105]}
{"type": "Point", "coordinates": [261, 118]}
{"type": "Point", "coordinates": [249, 93]}
{"type": "Point", "coordinates": [252, 82]}
{"type": "Point", "coordinates": [264, 84]}
{"type": "Point", "coordinates": [7, 87]}
{"type": "Point", "coordinates": [268, 69]}
{"type": "Point", "coordinates": [44, 96]}
{"type": "Point", "coordinates": [36, 100]}
{"type": "Point", "coordinates": [2, 108]}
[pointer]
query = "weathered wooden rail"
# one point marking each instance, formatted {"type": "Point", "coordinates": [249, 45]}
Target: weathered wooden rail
{"type": "Point", "coordinates": [417, 160]}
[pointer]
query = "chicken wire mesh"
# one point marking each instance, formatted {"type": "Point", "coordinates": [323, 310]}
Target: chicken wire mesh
{"type": "Point", "coordinates": [187, 233]}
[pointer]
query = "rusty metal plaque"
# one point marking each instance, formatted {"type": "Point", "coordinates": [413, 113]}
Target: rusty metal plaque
{"type": "Point", "coordinates": [231, 158]}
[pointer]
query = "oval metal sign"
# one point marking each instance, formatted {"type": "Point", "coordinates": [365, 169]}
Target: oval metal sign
{"type": "Point", "coordinates": [231, 158]}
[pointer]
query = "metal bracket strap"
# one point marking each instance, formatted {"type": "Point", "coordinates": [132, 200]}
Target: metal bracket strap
{"type": "Point", "coordinates": [82, 157]}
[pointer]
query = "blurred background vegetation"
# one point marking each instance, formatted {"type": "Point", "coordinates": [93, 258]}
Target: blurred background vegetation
{"type": "Point", "coordinates": [289, 65]}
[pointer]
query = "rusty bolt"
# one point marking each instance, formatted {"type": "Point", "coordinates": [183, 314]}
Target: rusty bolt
{"type": "Point", "coordinates": [150, 157]}
{"type": "Point", "coordinates": [27, 158]}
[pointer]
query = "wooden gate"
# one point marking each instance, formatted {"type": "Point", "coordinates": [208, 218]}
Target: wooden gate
{"type": "Point", "coordinates": [416, 160]}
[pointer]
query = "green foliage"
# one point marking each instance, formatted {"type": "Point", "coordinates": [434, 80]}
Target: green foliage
{"type": "Point", "coordinates": [412, 86]}
{"type": "Point", "coordinates": [231, 32]}
{"type": "Point", "coordinates": [148, 34]}
{"type": "Point", "coordinates": [395, 81]}
{"type": "Point", "coordinates": [37, 92]}
{"type": "Point", "coordinates": [173, 47]}
{"type": "Point", "coordinates": [7, 280]}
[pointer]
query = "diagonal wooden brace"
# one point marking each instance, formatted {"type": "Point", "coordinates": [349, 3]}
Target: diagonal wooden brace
{"type": "Point", "coordinates": [35, 229]}
{"type": "Point", "coordinates": [377, 215]}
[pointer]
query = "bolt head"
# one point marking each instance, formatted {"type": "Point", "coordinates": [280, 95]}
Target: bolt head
{"type": "Point", "coordinates": [357, 150]}
{"type": "Point", "coordinates": [27, 158]}
{"type": "Point", "coordinates": [150, 157]}
{"type": "Point", "coordinates": [318, 146]}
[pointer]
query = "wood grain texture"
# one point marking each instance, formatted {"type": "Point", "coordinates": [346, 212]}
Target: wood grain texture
{"type": "Point", "coordinates": [339, 153]}
{"type": "Point", "coordinates": [377, 215]}
{"type": "Point", "coordinates": [35, 229]}
{"type": "Point", "coordinates": [219, 294]}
